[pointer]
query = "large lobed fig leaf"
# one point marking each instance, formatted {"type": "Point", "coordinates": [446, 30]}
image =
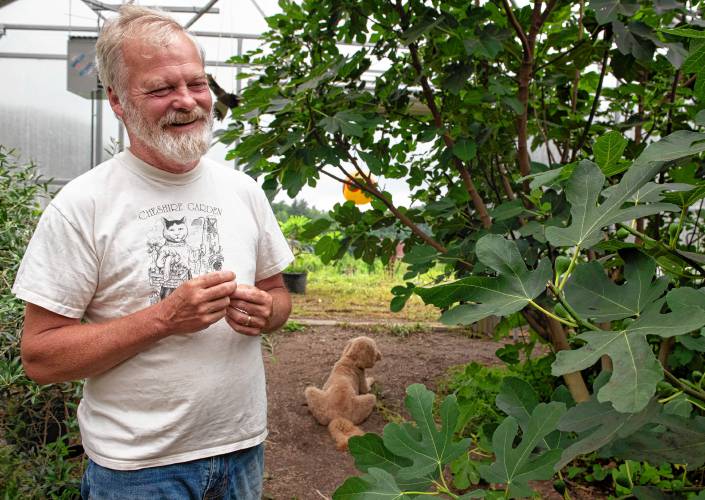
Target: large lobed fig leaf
{"type": "Point", "coordinates": [636, 369]}
{"type": "Point", "coordinates": [514, 467]}
{"type": "Point", "coordinates": [676, 439]}
{"type": "Point", "coordinates": [376, 484]}
{"type": "Point", "coordinates": [597, 424]}
{"type": "Point", "coordinates": [518, 399]}
{"type": "Point", "coordinates": [369, 452]}
{"type": "Point", "coordinates": [427, 447]}
{"type": "Point", "coordinates": [503, 295]}
{"type": "Point", "coordinates": [593, 295]}
{"type": "Point", "coordinates": [588, 217]}
{"type": "Point", "coordinates": [408, 457]}
{"type": "Point", "coordinates": [585, 186]}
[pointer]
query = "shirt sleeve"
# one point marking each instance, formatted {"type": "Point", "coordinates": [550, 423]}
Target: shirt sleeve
{"type": "Point", "coordinates": [273, 252]}
{"type": "Point", "coordinates": [59, 270]}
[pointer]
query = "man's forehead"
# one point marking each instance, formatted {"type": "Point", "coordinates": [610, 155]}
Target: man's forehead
{"type": "Point", "coordinates": [144, 51]}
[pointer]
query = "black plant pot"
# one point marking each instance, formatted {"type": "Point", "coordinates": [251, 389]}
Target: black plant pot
{"type": "Point", "coordinates": [295, 282]}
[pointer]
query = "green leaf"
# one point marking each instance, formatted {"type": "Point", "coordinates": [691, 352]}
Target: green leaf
{"type": "Point", "coordinates": [508, 210]}
{"type": "Point", "coordinates": [428, 447]}
{"type": "Point", "coordinates": [485, 46]}
{"type": "Point", "coordinates": [327, 248]}
{"type": "Point", "coordinates": [517, 399]}
{"type": "Point", "coordinates": [686, 298]}
{"type": "Point", "coordinates": [593, 295]}
{"type": "Point", "coordinates": [320, 75]}
{"type": "Point", "coordinates": [679, 144]}
{"type": "Point", "coordinates": [597, 424]}
{"type": "Point", "coordinates": [699, 89]}
{"type": "Point", "coordinates": [696, 58]}
{"type": "Point", "coordinates": [457, 78]}
{"type": "Point", "coordinates": [693, 343]}
{"type": "Point", "coordinates": [700, 117]}
{"type": "Point", "coordinates": [687, 198]}
{"type": "Point", "coordinates": [651, 191]}
{"type": "Point", "coordinates": [516, 466]}
{"type": "Point", "coordinates": [676, 439]}
{"type": "Point", "coordinates": [685, 32]}
{"type": "Point", "coordinates": [465, 149]}
{"type": "Point", "coordinates": [661, 6]}
{"type": "Point", "coordinates": [503, 295]}
{"type": "Point", "coordinates": [369, 452]}
{"type": "Point", "coordinates": [420, 254]}
{"type": "Point", "coordinates": [398, 303]}
{"type": "Point", "coordinates": [376, 484]}
{"type": "Point", "coordinates": [587, 217]}
{"type": "Point", "coordinates": [636, 369]}
{"type": "Point", "coordinates": [606, 11]}
{"type": "Point", "coordinates": [608, 150]}
{"type": "Point", "coordinates": [314, 228]}
{"type": "Point", "coordinates": [426, 24]}
{"type": "Point", "coordinates": [346, 122]}
{"type": "Point", "coordinates": [465, 472]}
{"type": "Point", "coordinates": [627, 43]}
{"type": "Point", "coordinates": [514, 104]}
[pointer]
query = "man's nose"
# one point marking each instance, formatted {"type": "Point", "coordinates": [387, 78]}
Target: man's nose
{"type": "Point", "coordinates": [183, 100]}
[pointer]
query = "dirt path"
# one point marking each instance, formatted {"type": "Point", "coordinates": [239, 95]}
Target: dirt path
{"type": "Point", "coordinates": [301, 460]}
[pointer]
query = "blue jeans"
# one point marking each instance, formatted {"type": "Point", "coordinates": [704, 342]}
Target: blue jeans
{"type": "Point", "coordinates": [233, 476]}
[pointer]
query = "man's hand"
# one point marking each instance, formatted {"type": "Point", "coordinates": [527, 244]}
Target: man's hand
{"type": "Point", "coordinates": [198, 303]}
{"type": "Point", "coordinates": [249, 310]}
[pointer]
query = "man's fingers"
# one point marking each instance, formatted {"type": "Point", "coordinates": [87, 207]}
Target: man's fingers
{"type": "Point", "coordinates": [213, 279]}
{"type": "Point", "coordinates": [218, 305]}
{"type": "Point", "coordinates": [249, 331]}
{"type": "Point", "coordinates": [215, 316]}
{"type": "Point", "coordinates": [219, 291]}
{"type": "Point", "coordinates": [250, 294]}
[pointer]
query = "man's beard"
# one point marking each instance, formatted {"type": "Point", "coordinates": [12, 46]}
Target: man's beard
{"type": "Point", "coordinates": [184, 147]}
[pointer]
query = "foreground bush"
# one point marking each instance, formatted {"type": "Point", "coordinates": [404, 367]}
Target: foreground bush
{"type": "Point", "coordinates": [37, 423]}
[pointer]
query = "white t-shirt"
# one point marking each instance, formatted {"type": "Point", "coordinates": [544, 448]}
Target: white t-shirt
{"type": "Point", "coordinates": [121, 237]}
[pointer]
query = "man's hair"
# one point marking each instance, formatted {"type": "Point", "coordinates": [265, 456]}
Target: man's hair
{"type": "Point", "coordinates": [133, 22]}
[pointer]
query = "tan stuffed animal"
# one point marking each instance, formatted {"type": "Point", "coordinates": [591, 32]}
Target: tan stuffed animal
{"type": "Point", "coordinates": [344, 400]}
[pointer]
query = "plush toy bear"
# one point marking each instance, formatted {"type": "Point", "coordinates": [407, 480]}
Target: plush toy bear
{"type": "Point", "coordinates": [345, 401]}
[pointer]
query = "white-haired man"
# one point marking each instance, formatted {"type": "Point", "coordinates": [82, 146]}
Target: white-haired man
{"type": "Point", "coordinates": [173, 262]}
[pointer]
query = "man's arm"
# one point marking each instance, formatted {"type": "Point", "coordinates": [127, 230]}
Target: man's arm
{"type": "Point", "coordinates": [261, 308]}
{"type": "Point", "coordinates": [56, 348]}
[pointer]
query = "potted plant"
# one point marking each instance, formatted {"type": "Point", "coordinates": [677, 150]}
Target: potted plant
{"type": "Point", "coordinates": [296, 275]}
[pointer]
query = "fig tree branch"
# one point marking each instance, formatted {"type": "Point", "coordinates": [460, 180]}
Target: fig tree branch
{"type": "Point", "coordinates": [429, 96]}
{"type": "Point", "coordinates": [596, 99]}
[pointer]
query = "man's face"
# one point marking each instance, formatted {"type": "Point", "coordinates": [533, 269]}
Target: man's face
{"type": "Point", "coordinates": [166, 106]}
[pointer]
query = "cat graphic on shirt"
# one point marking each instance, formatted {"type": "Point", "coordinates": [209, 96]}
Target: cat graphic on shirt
{"type": "Point", "coordinates": [175, 257]}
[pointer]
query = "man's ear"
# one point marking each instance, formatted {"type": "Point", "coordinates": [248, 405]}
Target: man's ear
{"type": "Point", "coordinates": [114, 101]}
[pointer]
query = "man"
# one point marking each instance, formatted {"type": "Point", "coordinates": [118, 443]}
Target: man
{"type": "Point", "coordinates": [173, 262]}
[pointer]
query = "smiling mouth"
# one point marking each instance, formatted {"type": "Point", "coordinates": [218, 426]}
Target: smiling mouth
{"type": "Point", "coordinates": [183, 124]}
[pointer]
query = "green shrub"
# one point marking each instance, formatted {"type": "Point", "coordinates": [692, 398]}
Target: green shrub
{"type": "Point", "coordinates": [38, 432]}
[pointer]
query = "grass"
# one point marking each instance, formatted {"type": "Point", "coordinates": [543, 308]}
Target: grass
{"type": "Point", "coordinates": [353, 294]}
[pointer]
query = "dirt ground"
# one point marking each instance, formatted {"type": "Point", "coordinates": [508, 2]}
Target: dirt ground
{"type": "Point", "coordinates": [301, 460]}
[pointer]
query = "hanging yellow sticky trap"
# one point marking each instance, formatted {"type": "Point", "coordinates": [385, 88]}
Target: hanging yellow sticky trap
{"type": "Point", "coordinates": [353, 193]}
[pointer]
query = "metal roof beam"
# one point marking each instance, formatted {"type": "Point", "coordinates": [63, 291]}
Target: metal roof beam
{"type": "Point", "coordinates": [62, 57]}
{"type": "Point", "coordinates": [92, 29]}
{"type": "Point", "coordinates": [170, 8]}
{"type": "Point", "coordinates": [212, 34]}
{"type": "Point", "coordinates": [198, 15]}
